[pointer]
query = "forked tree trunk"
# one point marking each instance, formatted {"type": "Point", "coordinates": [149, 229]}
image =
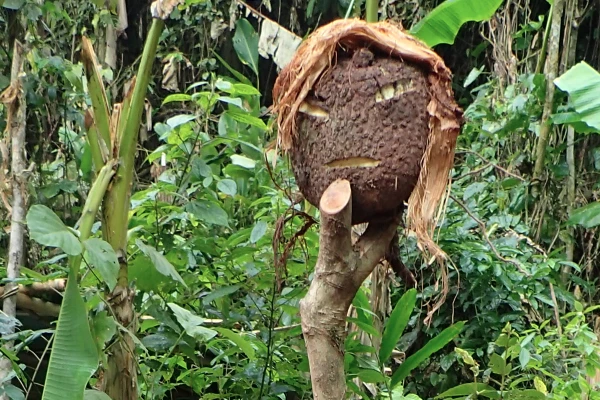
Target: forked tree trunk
{"type": "Point", "coordinates": [14, 99]}
{"type": "Point", "coordinates": [340, 270]}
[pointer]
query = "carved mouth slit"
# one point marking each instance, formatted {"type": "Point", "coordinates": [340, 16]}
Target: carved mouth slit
{"type": "Point", "coordinates": [354, 162]}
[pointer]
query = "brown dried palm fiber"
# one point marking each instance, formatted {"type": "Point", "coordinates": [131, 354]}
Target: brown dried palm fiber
{"type": "Point", "coordinates": [315, 56]}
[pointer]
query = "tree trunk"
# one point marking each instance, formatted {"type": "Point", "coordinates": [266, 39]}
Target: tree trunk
{"type": "Point", "coordinates": [14, 99]}
{"type": "Point", "coordinates": [568, 59]}
{"type": "Point", "coordinates": [120, 380]}
{"type": "Point", "coordinates": [341, 268]}
{"type": "Point", "coordinates": [550, 70]}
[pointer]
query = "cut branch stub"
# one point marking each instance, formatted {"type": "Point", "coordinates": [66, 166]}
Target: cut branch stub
{"type": "Point", "coordinates": [336, 197]}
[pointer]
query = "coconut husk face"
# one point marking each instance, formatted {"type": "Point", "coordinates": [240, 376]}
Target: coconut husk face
{"type": "Point", "coordinates": [365, 121]}
{"type": "Point", "coordinates": [316, 70]}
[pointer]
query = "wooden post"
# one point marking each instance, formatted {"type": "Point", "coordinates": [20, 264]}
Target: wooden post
{"type": "Point", "coordinates": [340, 270]}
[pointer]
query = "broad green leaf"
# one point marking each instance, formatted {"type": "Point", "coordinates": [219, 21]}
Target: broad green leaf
{"type": "Point", "coordinates": [177, 97]}
{"type": "Point", "coordinates": [473, 189]}
{"type": "Point", "coordinates": [239, 76]}
{"type": "Point", "coordinates": [159, 261]}
{"type": "Point", "coordinates": [442, 24]}
{"type": "Point", "coordinates": [243, 161]}
{"type": "Point", "coordinates": [158, 342]}
{"type": "Point", "coordinates": [465, 356]}
{"type": "Point", "coordinates": [367, 328]}
{"type": "Point", "coordinates": [227, 186]}
{"type": "Point", "coordinates": [200, 168]}
{"type": "Point", "coordinates": [220, 292]}
{"type": "Point", "coordinates": [74, 356]}
{"type": "Point", "coordinates": [245, 43]}
{"type": "Point", "coordinates": [363, 307]}
{"type": "Point", "coordinates": [191, 323]}
{"type": "Point", "coordinates": [101, 255]}
{"type": "Point", "coordinates": [103, 327]}
{"type": "Point", "coordinates": [587, 216]}
{"type": "Point", "coordinates": [356, 389]}
{"type": "Point", "coordinates": [95, 395]}
{"type": "Point", "coordinates": [539, 385]}
{"type": "Point", "coordinates": [47, 229]}
{"type": "Point", "coordinates": [258, 231]}
{"type": "Point", "coordinates": [236, 101]}
{"type": "Point", "coordinates": [574, 119]}
{"type": "Point", "coordinates": [208, 212]}
{"type": "Point", "coordinates": [241, 89]}
{"type": "Point", "coordinates": [244, 117]}
{"type": "Point", "coordinates": [527, 394]}
{"type": "Point", "coordinates": [13, 392]}
{"type": "Point", "coordinates": [499, 365]}
{"type": "Point", "coordinates": [237, 89]}
{"type": "Point", "coordinates": [396, 324]}
{"type": "Point", "coordinates": [239, 341]}
{"type": "Point", "coordinates": [524, 357]}
{"type": "Point", "coordinates": [147, 278]}
{"type": "Point", "coordinates": [472, 77]}
{"type": "Point", "coordinates": [371, 376]}
{"type": "Point", "coordinates": [12, 4]}
{"type": "Point", "coordinates": [423, 354]}
{"type": "Point", "coordinates": [582, 83]}
{"type": "Point", "coordinates": [470, 389]}
{"type": "Point", "coordinates": [223, 85]}
{"type": "Point", "coordinates": [180, 119]}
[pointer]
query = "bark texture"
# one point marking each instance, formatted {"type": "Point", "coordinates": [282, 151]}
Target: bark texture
{"type": "Point", "coordinates": [550, 71]}
{"type": "Point", "coordinates": [120, 378]}
{"type": "Point", "coordinates": [340, 270]}
{"type": "Point", "coordinates": [14, 99]}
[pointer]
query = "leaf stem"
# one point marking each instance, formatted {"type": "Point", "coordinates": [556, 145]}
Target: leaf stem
{"type": "Point", "coordinates": [90, 210]}
{"type": "Point", "coordinates": [372, 10]}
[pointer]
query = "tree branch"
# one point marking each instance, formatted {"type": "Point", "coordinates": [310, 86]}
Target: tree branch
{"type": "Point", "coordinates": [339, 272]}
{"type": "Point", "coordinates": [487, 239]}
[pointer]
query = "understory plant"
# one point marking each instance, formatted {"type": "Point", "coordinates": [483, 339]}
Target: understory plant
{"type": "Point", "coordinates": [547, 361]}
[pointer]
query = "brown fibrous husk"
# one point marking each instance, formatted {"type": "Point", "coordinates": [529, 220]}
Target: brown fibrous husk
{"type": "Point", "coordinates": [316, 56]}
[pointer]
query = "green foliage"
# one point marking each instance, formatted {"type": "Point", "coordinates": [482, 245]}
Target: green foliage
{"type": "Point", "coordinates": [200, 238]}
{"type": "Point", "coordinates": [360, 363]}
{"type": "Point", "coordinates": [74, 356]}
{"type": "Point", "coordinates": [582, 83]}
{"type": "Point", "coordinates": [587, 216]}
{"type": "Point", "coordinates": [442, 24]}
{"type": "Point", "coordinates": [543, 362]}
{"type": "Point", "coordinates": [100, 255]}
{"type": "Point", "coordinates": [434, 345]}
{"type": "Point", "coordinates": [396, 324]}
{"type": "Point", "coordinates": [95, 395]}
{"type": "Point", "coordinates": [159, 261]}
{"type": "Point", "coordinates": [12, 4]}
{"type": "Point", "coordinates": [245, 42]}
{"type": "Point", "coordinates": [46, 228]}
